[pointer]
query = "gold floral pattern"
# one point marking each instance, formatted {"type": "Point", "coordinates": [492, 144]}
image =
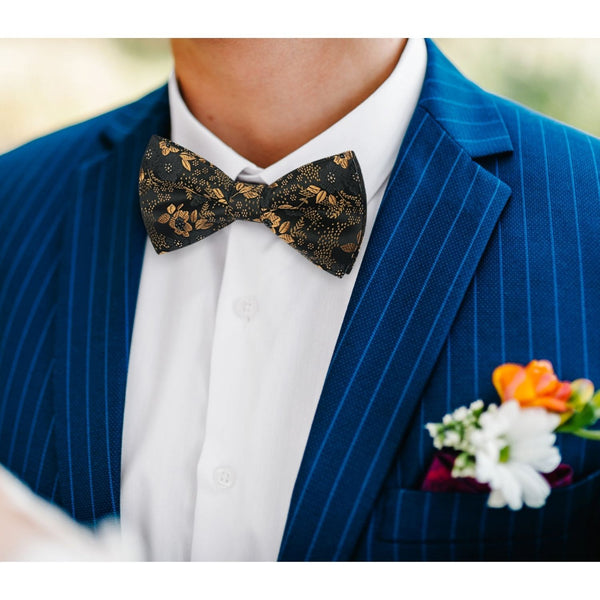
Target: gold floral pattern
{"type": "Point", "coordinates": [343, 159]}
{"type": "Point", "coordinates": [177, 220]}
{"type": "Point", "coordinates": [165, 147]}
{"type": "Point", "coordinates": [319, 209]}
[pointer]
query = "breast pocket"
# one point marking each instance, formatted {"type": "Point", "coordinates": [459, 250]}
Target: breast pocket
{"type": "Point", "coordinates": [414, 525]}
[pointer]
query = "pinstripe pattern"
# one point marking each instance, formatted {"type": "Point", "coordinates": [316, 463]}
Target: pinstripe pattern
{"type": "Point", "coordinates": [27, 381]}
{"type": "Point", "coordinates": [484, 251]}
{"type": "Point", "coordinates": [38, 405]}
{"type": "Point", "coordinates": [582, 312]}
{"type": "Point", "coordinates": [27, 313]}
{"type": "Point", "coordinates": [526, 244]}
{"type": "Point", "coordinates": [101, 276]}
{"type": "Point", "coordinates": [24, 330]}
{"type": "Point", "coordinates": [426, 289]}
{"type": "Point", "coordinates": [510, 310]}
{"type": "Point", "coordinates": [552, 249]}
{"type": "Point", "coordinates": [42, 465]}
{"type": "Point", "coordinates": [48, 298]}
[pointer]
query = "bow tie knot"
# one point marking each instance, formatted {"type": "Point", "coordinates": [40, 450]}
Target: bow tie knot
{"type": "Point", "coordinates": [319, 209]}
{"type": "Point", "coordinates": [249, 201]}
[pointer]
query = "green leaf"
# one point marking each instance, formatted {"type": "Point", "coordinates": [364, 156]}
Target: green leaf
{"type": "Point", "coordinates": [588, 434]}
{"type": "Point", "coordinates": [582, 391]}
{"type": "Point", "coordinates": [587, 416]}
{"type": "Point", "coordinates": [504, 454]}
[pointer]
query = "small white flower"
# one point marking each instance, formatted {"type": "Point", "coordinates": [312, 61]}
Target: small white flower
{"type": "Point", "coordinates": [451, 439]}
{"type": "Point", "coordinates": [460, 413]}
{"type": "Point", "coordinates": [432, 428]}
{"type": "Point", "coordinates": [512, 448]}
{"type": "Point", "coordinates": [476, 405]}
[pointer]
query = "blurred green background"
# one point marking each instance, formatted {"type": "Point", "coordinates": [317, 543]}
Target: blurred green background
{"type": "Point", "coordinates": [51, 83]}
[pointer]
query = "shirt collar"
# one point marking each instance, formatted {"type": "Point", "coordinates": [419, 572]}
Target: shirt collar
{"type": "Point", "coordinates": [373, 130]}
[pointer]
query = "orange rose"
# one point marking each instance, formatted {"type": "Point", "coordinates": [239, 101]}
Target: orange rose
{"type": "Point", "coordinates": [533, 385]}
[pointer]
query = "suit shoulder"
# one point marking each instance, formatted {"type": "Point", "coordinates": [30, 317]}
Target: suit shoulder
{"type": "Point", "coordinates": [44, 172]}
{"type": "Point", "coordinates": [545, 153]}
{"type": "Point", "coordinates": [553, 169]}
{"type": "Point", "coordinates": [71, 146]}
{"type": "Point", "coordinates": [527, 125]}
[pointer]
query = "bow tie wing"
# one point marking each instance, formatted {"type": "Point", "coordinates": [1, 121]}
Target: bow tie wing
{"type": "Point", "coordinates": [183, 198]}
{"type": "Point", "coordinates": [320, 210]}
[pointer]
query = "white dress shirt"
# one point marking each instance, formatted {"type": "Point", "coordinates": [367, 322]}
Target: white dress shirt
{"type": "Point", "coordinates": [231, 344]}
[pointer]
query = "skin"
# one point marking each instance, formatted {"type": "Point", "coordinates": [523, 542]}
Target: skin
{"type": "Point", "coordinates": [266, 97]}
{"type": "Point", "coordinates": [29, 524]}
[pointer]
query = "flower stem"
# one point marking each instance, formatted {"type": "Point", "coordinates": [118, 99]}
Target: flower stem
{"type": "Point", "coordinates": [588, 434]}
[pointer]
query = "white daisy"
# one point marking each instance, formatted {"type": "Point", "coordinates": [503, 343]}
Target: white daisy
{"type": "Point", "coordinates": [512, 448]}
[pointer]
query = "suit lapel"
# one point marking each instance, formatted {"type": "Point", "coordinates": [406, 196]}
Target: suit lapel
{"type": "Point", "coordinates": [433, 225]}
{"type": "Point", "coordinates": [103, 250]}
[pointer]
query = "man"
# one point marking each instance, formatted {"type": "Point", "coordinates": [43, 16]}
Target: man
{"type": "Point", "coordinates": [231, 400]}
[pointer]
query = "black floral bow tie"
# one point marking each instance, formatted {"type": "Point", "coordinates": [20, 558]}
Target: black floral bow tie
{"type": "Point", "coordinates": [319, 209]}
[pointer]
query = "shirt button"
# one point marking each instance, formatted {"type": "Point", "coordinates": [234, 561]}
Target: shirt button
{"type": "Point", "coordinates": [224, 477]}
{"type": "Point", "coordinates": [246, 307]}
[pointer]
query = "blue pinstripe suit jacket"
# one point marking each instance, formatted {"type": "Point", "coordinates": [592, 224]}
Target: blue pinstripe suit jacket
{"type": "Point", "coordinates": [485, 250]}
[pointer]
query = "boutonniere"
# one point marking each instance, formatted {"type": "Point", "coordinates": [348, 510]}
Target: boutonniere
{"type": "Point", "coordinates": [509, 449]}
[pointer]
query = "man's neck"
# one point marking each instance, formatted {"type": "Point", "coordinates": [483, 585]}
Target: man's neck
{"type": "Point", "coordinates": [265, 98]}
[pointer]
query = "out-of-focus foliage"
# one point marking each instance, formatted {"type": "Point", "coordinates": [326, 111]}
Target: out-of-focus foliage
{"type": "Point", "coordinates": [51, 83]}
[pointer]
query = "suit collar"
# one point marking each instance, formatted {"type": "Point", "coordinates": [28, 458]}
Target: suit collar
{"type": "Point", "coordinates": [467, 113]}
{"type": "Point", "coordinates": [436, 217]}
{"type": "Point", "coordinates": [139, 117]}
